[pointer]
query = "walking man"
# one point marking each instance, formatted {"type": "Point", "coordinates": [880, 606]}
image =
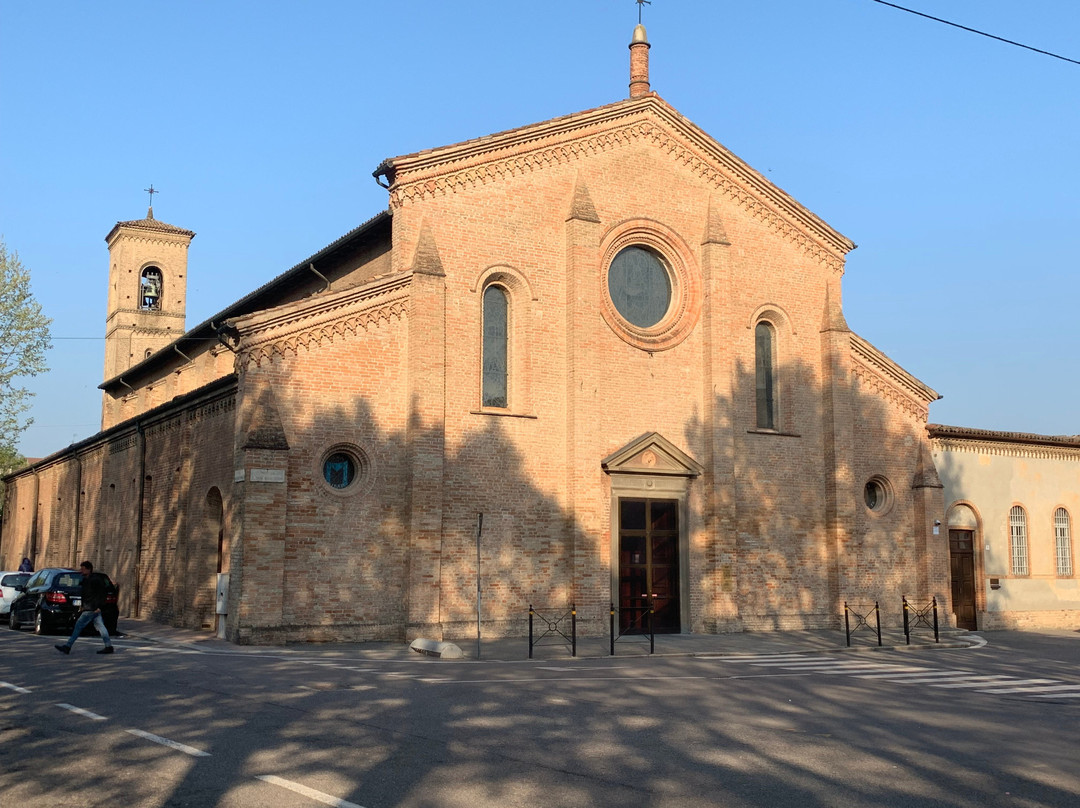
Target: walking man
{"type": "Point", "coordinates": [93, 598]}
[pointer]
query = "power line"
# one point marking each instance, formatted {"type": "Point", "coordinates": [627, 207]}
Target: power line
{"type": "Point", "coordinates": [980, 33]}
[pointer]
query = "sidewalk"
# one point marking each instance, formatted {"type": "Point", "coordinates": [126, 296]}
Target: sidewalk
{"type": "Point", "coordinates": [517, 649]}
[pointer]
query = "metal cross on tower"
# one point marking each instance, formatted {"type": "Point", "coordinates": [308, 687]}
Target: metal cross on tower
{"type": "Point", "coordinates": [151, 191]}
{"type": "Point", "coordinates": [640, 4]}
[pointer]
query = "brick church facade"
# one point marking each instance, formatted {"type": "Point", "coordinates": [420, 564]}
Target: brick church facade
{"type": "Point", "coordinates": [604, 333]}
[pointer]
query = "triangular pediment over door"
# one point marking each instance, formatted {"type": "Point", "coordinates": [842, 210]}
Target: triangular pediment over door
{"type": "Point", "coordinates": [652, 454]}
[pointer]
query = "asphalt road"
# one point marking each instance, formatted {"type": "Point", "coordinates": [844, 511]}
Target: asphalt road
{"type": "Point", "coordinates": [154, 725]}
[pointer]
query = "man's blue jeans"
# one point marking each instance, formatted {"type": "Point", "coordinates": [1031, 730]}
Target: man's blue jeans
{"type": "Point", "coordinates": [85, 619]}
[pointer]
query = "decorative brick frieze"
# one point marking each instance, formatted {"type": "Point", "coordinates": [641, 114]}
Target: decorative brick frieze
{"type": "Point", "coordinates": [661, 128]}
{"type": "Point", "coordinates": [286, 330]}
{"type": "Point", "coordinates": [1000, 449]}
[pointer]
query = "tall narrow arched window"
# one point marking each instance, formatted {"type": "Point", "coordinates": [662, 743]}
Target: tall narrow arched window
{"type": "Point", "coordinates": [765, 373]}
{"type": "Point", "coordinates": [1063, 543]}
{"type": "Point", "coordinates": [150, 289]}
{"type": "Point", "coordinates": [1018, 540]}
{"type": "Point", "coordinates": [496, 348]}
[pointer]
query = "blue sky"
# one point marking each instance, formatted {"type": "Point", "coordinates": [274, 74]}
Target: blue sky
{"type": "Point", "coordinates": [950, 159]}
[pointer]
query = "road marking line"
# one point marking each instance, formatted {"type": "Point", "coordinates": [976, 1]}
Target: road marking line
{"type": "Point", "coordinates": [16, 688]}
{"type": "Point", "coordinates": [763, 661]}
{"type": "Point", "coordinates": [190, 750]}
{"type": "Point", "coordinates": [1014, 685]}
{"type": "Point", "coordinates": [82, 712]}
{"type": "Point", "coordinates": [839, 666]}
{"type": "Point", "coordinates": [1055, 695]}
{"type": "Point", "coordinates": [1055, 686]}
{"type": "Point", "coordinates": [762, 657]}
{"type": "Point", "coordinates": [961, 678]}
{"type": "Point", "coordinates": [558, 680]}
{"type": "Point", "coordinates": [972, 681]}
{"type": "Point", "coordinates": [319, 796]}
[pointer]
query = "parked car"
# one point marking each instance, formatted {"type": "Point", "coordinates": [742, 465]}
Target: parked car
{"type": "Point", "coordinates": [8, 592]}
{"type": "Point", "coordinates": [50, 601]}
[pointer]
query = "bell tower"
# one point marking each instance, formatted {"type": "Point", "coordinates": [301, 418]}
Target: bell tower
{"type": "Point", "coordinates": [147, 290]}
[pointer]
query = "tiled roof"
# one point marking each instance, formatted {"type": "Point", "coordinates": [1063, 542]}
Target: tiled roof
{"type": "Point", "coordinates": [152, 224]}
{"type": "Point", "coordinates": [967, 433]}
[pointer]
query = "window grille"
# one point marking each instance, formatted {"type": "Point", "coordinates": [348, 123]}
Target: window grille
{"type": "Point", "coordinates": [1018, 536]}
{"type": "Point", "coordinates": [1063, 543]}
{"type": "Point", "coordinates": [496, 337]}
{"type": "Point", "coordinates": [765, 372]}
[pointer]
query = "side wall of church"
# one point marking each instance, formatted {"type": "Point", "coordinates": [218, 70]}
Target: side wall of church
{"type": "Point", "coordinates": [317, 563]}
{"type": "Point", "coordinates": [894, 551]}
{"type": "Point", "coordinates": [87, 508]}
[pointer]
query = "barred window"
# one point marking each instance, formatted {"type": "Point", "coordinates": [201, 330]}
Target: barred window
{"type": "Point", "coordinates": [1018, 540]}
{"type": "Point", "coordinates": [1063, 543]}
{"type": "Point", "coordinates": [765, 375]}
{"type": "Point", "coordinates": [494, 380]}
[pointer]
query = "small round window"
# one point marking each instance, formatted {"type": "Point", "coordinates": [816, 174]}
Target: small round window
{"type": "Point", "coordinates": [339, 470]}
{"type": "Point", "coordinates": [640, 286]}
{"type": "Point", "coordinates": [344, 470]}
{"type": "Point", "coordinates": [876, 494]}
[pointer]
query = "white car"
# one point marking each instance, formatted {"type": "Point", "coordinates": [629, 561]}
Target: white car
{"type": "Point", "coordinates": [8, 582]}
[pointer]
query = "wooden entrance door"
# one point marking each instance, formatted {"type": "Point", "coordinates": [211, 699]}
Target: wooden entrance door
{"type": "Point", "coordinates": [648, 564]}
{"type": "Point", "coordinates": [962, 562]}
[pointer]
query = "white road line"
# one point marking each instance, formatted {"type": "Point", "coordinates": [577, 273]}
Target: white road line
{"type": "Point", "coordinates": [16, 688]}
{"type": "Point", "coordinates": [843, 669]}
{"type": "Point", "coordinates": [839, 666]}
{"type": "Point", "coordinates": [955, 677]}
{"type": "Point", "coordinates": [789, 663]}
{"type": "Point", "coordinates": [558, 680]}
{"type": "Point", "coordinates": [82, 712]}
{"type": "Point", "coordinates": [1027, 688]}
{"type": "Point", "coordinates": [971, 681]}
{"type": "Point", "coordinates": [1055, 695]}
{"type": "Point", "coordinates": [318, 796]}
{"type": "Point", "coordinates": [189, 750]}
{"type": "Point", "coordinates": [763, 657]}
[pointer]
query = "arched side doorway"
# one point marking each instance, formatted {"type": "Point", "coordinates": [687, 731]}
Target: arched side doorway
{"type": "Point", "coordinates": [963, 546]}
{"type": "Point", "coordinates": [214, 531]}
{"type": "Point", "coordinates": [650, 544]}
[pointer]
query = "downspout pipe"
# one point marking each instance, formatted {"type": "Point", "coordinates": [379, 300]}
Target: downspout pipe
{"type": "Point", "coordinates": [140, 437]}
{"type": "Point", "coordinates": [34, 524]}
{"type": "Point", "coordinates": [78, 508]}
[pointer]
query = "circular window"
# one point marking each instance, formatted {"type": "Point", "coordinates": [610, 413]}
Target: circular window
{"type": "Point", "coordinates": [339, 470]}
{"type": "Point", "coordinates": [344, 469]}
{"type": "Point", "coordinates": [650, 289]}
{"type": "Point", "coordinates": [639, 286]}
{"type": "Point", "coordinates": [876, 494]}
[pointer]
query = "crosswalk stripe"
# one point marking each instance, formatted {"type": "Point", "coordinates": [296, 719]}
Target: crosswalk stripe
{"type": "Point", "coordinates": [1014, 687]}
{"type": "Point", "coordinates": [951, 678]}
{"type": "Point", "coordinates": [765, 658]}
{"type": "Point", "coordinates": [971, 681]}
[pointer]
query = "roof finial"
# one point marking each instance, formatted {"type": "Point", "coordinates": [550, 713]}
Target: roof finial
{"type": "Point", "coordinates": [639, 57]}
{"type": "Point", "coordinates": [151, 191]}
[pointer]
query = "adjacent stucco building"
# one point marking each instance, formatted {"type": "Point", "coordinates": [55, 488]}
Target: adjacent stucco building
{"type": "Point", "coordinates": [1011, 498]}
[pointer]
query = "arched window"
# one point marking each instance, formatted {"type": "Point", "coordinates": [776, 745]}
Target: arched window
{"type": "Point", "coordinates": [150, 289]}
{"type": "Point", "coordinates": [1018, 540]}
{"type": "Point", "coordinates": [1063, 543]}
{"type": "Point", "coordinates": [765, 373]}
{"type": "Point", "coordinates": [496, 348]}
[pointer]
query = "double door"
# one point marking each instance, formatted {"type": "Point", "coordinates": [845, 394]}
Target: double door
{"type": "Point", "coordinates": [648, 565]}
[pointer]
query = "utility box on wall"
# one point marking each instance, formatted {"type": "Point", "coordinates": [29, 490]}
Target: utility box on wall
{"type": "Point", "coordinates": [222, 593]}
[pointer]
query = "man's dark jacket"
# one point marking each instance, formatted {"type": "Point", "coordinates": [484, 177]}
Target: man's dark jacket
{"type": "Point", "coordinates": [94, 588]}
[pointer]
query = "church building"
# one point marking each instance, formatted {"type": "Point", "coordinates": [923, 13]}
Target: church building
{"type": "Point", "coordinates": [595, 360]}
